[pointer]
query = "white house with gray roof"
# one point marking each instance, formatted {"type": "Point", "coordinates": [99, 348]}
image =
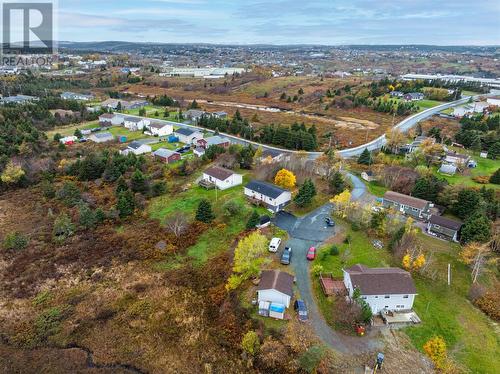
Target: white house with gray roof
{"type": "Point", "coordinates": [188, 135]}
{"type": "Point", "coordinates": [101, 137]}
{"type": "Point", "coordinates": [135, 124]}
{"type": "Point", "coordinates": [274, 198]}
{"type": "Point", "coordinates": [160, 128]}
{"type": "Point", "coordinates": [137, 148]}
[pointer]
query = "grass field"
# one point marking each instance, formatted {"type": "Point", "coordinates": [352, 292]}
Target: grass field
{"type": "Point", "coordinates": [469, 334]}
{"type": "Point", "coordinates": [70, 130]}
{"type": "Point", "coordinates": [216, 238]}
{"type": "Point", "coordinates": [485, 166]}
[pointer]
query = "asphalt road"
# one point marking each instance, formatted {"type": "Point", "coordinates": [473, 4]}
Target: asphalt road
{"type": "Point", "coordinates": [304, 233]}
{"type": "Point", "coordinates": [404, 125]}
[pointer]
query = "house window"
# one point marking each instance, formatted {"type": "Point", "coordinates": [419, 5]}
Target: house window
{"type": "Point", "coordinates": [437, 226]}
{"type": "Point", "coordinates": [414, 209]}
{"type": "Point", "coordinates": [405, 296]}
{"type": "Point", "coordinates": [363, 297]}
{"type": "Point", "coordinates": [376, 297]}
{"type": "Point", "coordinates": [387, 297]}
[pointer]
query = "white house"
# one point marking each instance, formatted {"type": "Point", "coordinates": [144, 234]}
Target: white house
{"type": "Point", "coordinates": [188, 136]}
{"type": "Point", "coordinates": [222, 178]}
{"type": "Point", "coordinates": [76, 96]}
{"type": "Point", "coordinates": [194, 114]}
{"type": "Point", "coordinates": [272, 196]}
{"type": "Point", "coordinates": [161, 129]}
{"type": "Point", "coordinates": [111, 119]}
{"type": "Point", "coordinates": [493, 101]}
{"type": "Point", "coordinates": [101, 137]}
{"type": "Point", "coordinates": [138, 148]}
{"type": "Point", "coordinates": [135, 124]}
{"type": "Point", "coordinates": [389, 289]}
{"type": "Point", "coordinates": [456, 159]}
{"type": "Point", "coordinates": [68, 139]}
{"type": "Point", "coordinates": [275, 287]}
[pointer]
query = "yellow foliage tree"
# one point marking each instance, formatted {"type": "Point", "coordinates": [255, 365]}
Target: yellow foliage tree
{"type": "Point", "coordinates": [342, 202]}
{"type": "Point", "coordinates": [249, 256]}
{"type": "Point", "coordinates": [406, 261]}
{"type": "Point", "coordinates": [435, 348]}
{"type": "Point", "coordinates": [419, 262]}
{"type": "Point", "coordinates": [285, 178]}
{"type": "Point", "coordinates": [12, 173]}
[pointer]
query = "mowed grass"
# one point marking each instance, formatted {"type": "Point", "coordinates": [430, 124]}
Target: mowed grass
{"type": "Point", "coordinates": [70, 129]}
{"type": "Point", "coordinates": [221, 235]}
{"type": "Point", "coordinates": [485, 166]}
{"type": "Point", "coordinates": [445, 310]}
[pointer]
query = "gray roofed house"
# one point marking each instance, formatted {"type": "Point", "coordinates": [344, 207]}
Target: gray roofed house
{"type": "Point", "coordinates": [448, 169]}
{"type": "Point", "coordinates": [138, 148]}
{"type": "Point", "coordinates": [185, 131]}
{"type": "Point", "coordinates": [265, 188]}
{"type": "Point", "coordinates": [17, 99]}
{"type": "Point", "coordinates": [166, 155]}
{"type": "Point", "coordinates": [76, 96]}
{"type": "Point", "coordinates": [413, 206]}
{"type": "Point", "coordinates": [383, 289]}
{"type": "Point", "coordinates": [194, 114]}
{"type": "Point", "coordinates": [101, 137]}
{"type": "Point", "coordinates": [444, 227]}
{"type": "Point", "coordinates": [271, 196]}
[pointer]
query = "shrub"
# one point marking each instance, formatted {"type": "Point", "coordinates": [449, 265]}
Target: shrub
{"type": "Point", "coordinates": [250, 343]}
{"type": "Point", "coordinates": [231, 208]}
{"type": "Point", "coordinates": [69, 194]}
{"type": "Point", "coordinates": [334, 250]}
{"type": "Point", "coordinates": [317, 269]}
{"type": "Point", "coordinates": [310, 359]}
{"type": "Point", "coordinates": [16, 241]}
{"type": "Point", "coordinates": [481, 179]}
{"type": "Point", "coordinates": [63, 228]}
{"type": "Point", "coordinates": [489, 303]}
{"type": "Point", "coordinates": [158, 188]}
{"type": "Point", "coordinates": [435, 348]}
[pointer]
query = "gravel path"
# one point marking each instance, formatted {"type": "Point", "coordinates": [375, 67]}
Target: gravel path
{"type": "Point", "coordinates": [310, 231]}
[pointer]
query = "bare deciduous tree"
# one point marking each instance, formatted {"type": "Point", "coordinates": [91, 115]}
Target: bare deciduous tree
{"type": "Point", "coordinates": [176, 224]}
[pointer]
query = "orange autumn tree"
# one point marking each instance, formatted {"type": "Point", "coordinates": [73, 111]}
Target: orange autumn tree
{"type": "Point", "coordinates": [285, 178]}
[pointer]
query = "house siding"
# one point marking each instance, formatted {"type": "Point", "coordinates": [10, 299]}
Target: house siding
{"type": "Point", "coordinates": [274, 205]}
{"type": "Point", "coordinates": [378, 303]}
{"type": "Point", "coordinates": [442, 231]}
{"type": "Point", "coordinates": [233, 180]}
{"type": "Point", "coordinates": [406, 209]}
{"type": "Point", "coordinates": [274, 296]}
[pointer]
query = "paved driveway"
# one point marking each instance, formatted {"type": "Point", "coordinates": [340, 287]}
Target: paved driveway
{"type": "Point", "coordinates": [305, 232]}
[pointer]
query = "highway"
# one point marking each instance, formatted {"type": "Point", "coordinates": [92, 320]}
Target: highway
{"type": "Point", "coordinates": [375, 144]}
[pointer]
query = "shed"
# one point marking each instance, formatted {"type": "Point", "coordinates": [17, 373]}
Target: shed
{"type": "Point", "coordinates": [276, 287]}
{"type": "Point", "coordinates": [277, 311]}
{"type": "Point", "coordinates": [448, 169]}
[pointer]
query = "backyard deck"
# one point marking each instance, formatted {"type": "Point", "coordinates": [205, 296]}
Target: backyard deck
{"type": "Point", "coordinates": [332, 286]}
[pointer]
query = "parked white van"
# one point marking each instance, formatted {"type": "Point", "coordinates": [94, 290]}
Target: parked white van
{"type": "Point", "coordinates": [274, 245]}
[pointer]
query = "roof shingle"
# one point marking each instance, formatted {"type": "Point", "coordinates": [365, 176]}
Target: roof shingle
{"type": "Point", "coordinates": [381, 281]}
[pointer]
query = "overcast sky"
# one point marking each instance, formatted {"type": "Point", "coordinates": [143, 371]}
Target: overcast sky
{"type": "Point", "coordinates": [444, 22]}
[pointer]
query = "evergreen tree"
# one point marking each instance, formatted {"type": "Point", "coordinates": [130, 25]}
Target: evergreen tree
{"type": "Point", "coordinates": [138, 182]}
{"type": "Point", "coordinates": [336, 183]}
{"type": "Point", "coordinates": [125, 204]}
{"type": "Point", "coordinates": [121, 185]}
{"type": "Point", "coordinates": [86, 217]}
{"type": "Point", "coordinates": [468, 202]}
{"type": "Point", "coordinates": [365, 158]}
{"type": "Point", "coordinates": [78, 133]}
{"type": "Point", "coordinates": [495, 178]}
{"type": "Point", "coordinates": [306, 193]}
{"type": "Point", "coordinates": [253, 220]}
{"type": "Point", "coordinates": [204, 212]}
{"type": "Point", "coordinates": [477, 228]}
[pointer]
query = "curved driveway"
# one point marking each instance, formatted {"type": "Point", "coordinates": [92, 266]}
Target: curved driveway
{"type": "Point", "coordinates": [310, 231]}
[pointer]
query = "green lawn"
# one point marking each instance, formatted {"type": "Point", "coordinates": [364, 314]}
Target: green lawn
{"type": "Point", "coordinates": [376, 188]}
{"type": "Point", "coordinates": [426, 104]}
{"type": "Point", "coordinates": [131, 135]}
{"type": "Point", "coordinates": [446, 311]}
{"type": "Point", "coordinates": [485, 166]}
{"type": "Point", "coordinates": [151, 110]}
{"type": "Point", "coordinates": [218, 237]}
{"type": "Point", "coordinates": [70, 129]}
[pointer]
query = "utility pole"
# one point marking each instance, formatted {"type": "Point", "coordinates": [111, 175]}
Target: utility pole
{"type": "Point", "coordinates": [449, 274]}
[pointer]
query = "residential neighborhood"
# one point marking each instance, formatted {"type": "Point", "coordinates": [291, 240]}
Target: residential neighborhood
{"type": "Point", "coordinates": [250, 187]}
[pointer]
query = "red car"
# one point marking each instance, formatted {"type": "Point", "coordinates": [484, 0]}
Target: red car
{"type": "Point", "coordinates": [311, 254]}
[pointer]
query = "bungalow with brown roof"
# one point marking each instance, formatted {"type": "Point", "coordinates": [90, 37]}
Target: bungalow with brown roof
{"type": "Point", "coordinates": [409, 205]}
{"type": "Point", "coordinates": [275, 287]}
{"type": "Point", "coordinates": [384, 289]}
{"type": "Point", "coordinates": [221, 177]}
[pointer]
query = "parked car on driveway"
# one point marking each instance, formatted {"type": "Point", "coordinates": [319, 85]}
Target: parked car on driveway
{"type": "Point", "coordinates": [300, 307]}
{"type": "Point", "coordinates": [274, 244]}
{"type": "Point", "coordinates": [286, 256]}
{"type": "Point", "coordinates": [311, 254]}
{"type": "Point", "coordinates": [329, 222]}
